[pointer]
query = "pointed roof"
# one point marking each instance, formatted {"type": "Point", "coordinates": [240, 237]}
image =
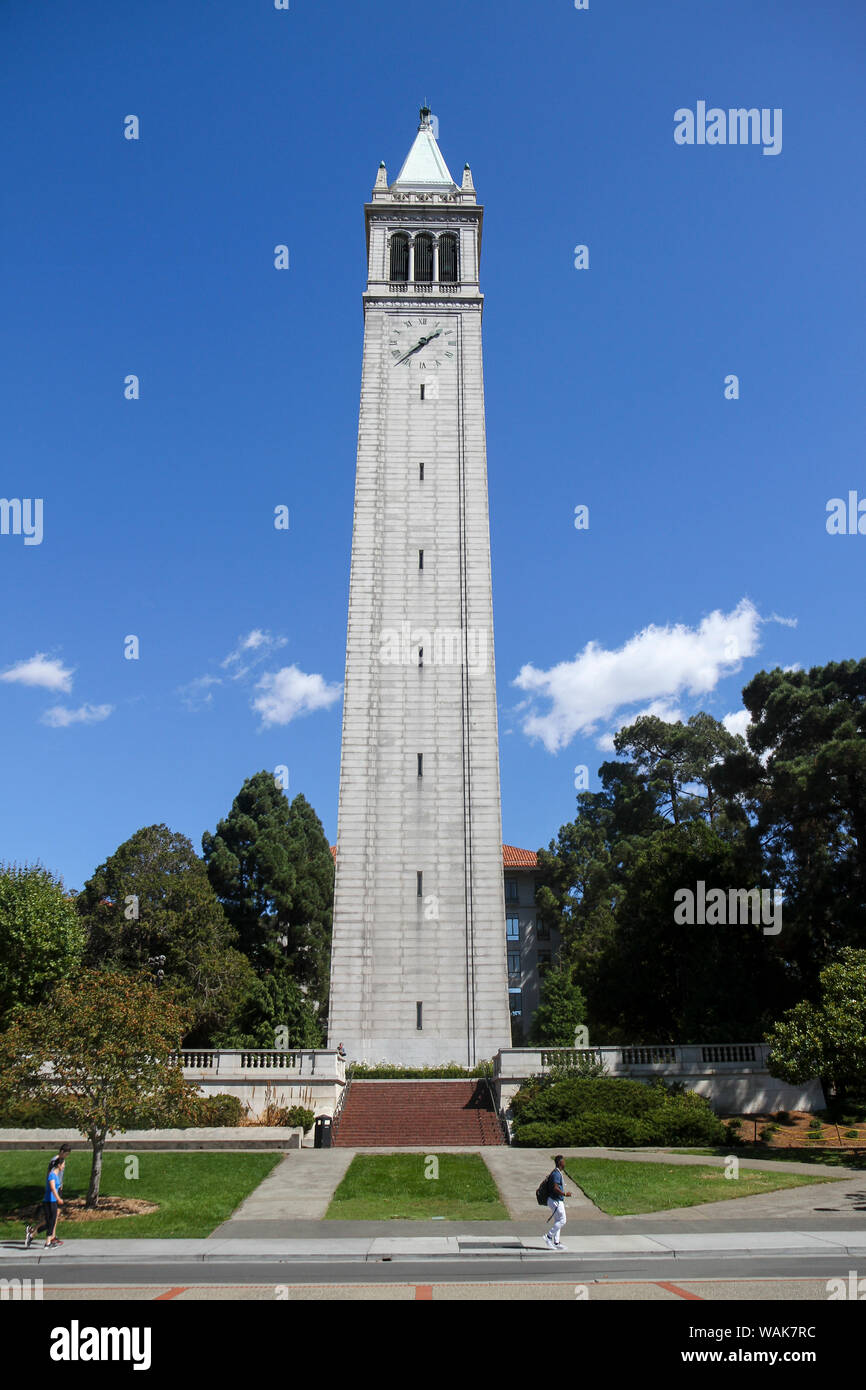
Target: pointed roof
{"type": "Point", "coordinates": [424, 166]}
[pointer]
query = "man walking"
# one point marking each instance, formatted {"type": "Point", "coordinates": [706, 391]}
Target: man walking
{"type": "Point", "coordinates": [556, 1195]}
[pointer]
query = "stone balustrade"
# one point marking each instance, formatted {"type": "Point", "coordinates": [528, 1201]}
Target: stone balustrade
{"type": "Point", "coordinates": [734, 1077]}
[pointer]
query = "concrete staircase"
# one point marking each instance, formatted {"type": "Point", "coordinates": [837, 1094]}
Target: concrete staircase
{"type": "Point", "coordinates": [396, 1114]}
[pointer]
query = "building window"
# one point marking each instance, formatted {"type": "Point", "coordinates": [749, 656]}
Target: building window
{"type": "Point", "coordinates": [400, 257]}
{"type": "Point", "coordinates": [515, 1002]}
{"type": "Point", "coordinates": [420, 472]}
{"type": "Point", "coordinates": [511, 894]}
{"type": "Point", "coordinates": [514, 962]}
{"type": "Point", "coordinates": [543, 962]}
{"type": "Point", "coordinates": [420, 656]}
{"type": "Point", "coordinates": [420, 764]}
{"type": "Point", "coordinates": [420, 559]}
{"type": "Point", "coordinates": [418, 1011]}
{"type": "Point", "coordinates": [424, 258]}
{"type": "Point", "coordinates": [420, 878]}
{"type": "Point", "coordinates": [422, 390]}
{"type": "Point", "coordinates": [542, 930]}
{"type": "Point", "coordinates": [448, 270]}
{"type": "Point", "coordinates": [512, 928]}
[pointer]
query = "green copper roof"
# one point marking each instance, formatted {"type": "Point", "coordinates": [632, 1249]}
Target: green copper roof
{"type": "Point", "coordinates": [424, 166]}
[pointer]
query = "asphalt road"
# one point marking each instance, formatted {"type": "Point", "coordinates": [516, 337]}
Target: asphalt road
{"type": "Point", "coordinates": [565, 1267]}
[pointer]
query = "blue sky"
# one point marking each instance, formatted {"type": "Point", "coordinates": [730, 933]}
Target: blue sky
{"type": "Point", "coordinates": [604, 386]}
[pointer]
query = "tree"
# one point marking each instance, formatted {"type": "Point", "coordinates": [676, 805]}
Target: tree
{"type": "Point", "coordinates": [152, 898]}
{"type": "Point", "coordinates": [561, 1011]}
{"type": "Point", "coordinates": [271, 868]}
{"type": "Point", "coordinates": [827, 1039]}
{"type": "Point", "coordinates": [803, 780]}
{"type": "Point", "coordinates": [275, 1003]}
{"type": "Point", "coordinates": [41, 936]}
{"type": "Point", "coordinates": [101, 1051]}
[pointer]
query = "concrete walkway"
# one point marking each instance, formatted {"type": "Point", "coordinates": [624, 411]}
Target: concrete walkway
{"type": "Point", "coordinates": [472, 1247]}
{"type": "Point", "coordinates": [298, 1189]}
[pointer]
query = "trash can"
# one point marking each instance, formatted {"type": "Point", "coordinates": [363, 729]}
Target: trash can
{"type": "Point", "coordinates": [322, 1133]}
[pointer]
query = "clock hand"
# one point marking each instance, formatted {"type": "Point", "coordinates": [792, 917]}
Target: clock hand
{"type": "Point", "coordinates": [410, 353]}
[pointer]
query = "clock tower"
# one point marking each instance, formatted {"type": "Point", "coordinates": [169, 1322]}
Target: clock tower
{"type": "Point", "coordinates": [418, 967]}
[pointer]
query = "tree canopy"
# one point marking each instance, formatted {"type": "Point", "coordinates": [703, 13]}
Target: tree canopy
{"type": "Point", "coordinates": [782, 810]}
{"type": "Point", "coordinates": [152, 898]}
{"type": "Point", "coordinates": [41, 935]}
{"type": "Point", "coordinates": [271, 867]}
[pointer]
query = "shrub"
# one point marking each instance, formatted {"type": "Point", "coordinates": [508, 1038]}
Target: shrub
{"type": "Point", "coordinates": [219, 1110]}
{"type": "Point", "coordinates": [852, 1134]}
{"type": "Point", "coordinates": [783, 1117]}
{"type": "Point", "coordinates": [590, 1112]}
{"type": "Point", "coordinates": [30, 1114]}
{"type": "Point", "coordinates": [766, 1134]}
{"type": "Point", "coordinates": [299, 1115]}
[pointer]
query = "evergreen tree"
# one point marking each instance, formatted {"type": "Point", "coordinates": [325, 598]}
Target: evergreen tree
{"type": "Point", "coordinates": [271, 867]}
{"type": "Point", "coordinates": [152, 899]}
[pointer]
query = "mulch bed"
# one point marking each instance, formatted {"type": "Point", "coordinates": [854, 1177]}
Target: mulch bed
{"type": "Point", "coordinates": [73, 1209]}
{"type": "Point", "coordinates": [797, 1134]}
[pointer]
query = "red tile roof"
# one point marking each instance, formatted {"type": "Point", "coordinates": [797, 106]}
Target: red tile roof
{"type": "Point", "coordinates": [512, 857]}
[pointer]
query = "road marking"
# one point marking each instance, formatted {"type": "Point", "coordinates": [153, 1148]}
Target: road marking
{"type": "Point", "coordinates": [170, 1293]}
{"type": "Point", "coordinates": [675, 1288]}
{"type": "Point", "coordinates": [423, 1291]}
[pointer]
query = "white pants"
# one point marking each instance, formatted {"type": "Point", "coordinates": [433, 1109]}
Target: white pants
{"type": "Point", "coordinates": [558, 1209]}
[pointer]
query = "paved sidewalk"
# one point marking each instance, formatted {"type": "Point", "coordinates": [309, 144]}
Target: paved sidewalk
{"type": "Point", "coordinates": [625, 1244]}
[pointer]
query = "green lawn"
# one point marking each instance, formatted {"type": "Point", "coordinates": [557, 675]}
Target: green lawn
{"type": "Point", "coordinates": [380, 1186]}
{"type": "Point", "coordinates": [195, 1191]}
{"type": "Point", "coordinates": [630, 1189]}
{"type": "Point", "coordinates": [833, 1158]}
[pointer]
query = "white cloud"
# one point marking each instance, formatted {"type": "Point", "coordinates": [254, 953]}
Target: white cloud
{"type": "Point", "coordinates": [656, 667]}
{"type": "Point", "coordinates": [58, 717]}
{"type": "Point", "coordinates": [288, 693]}
{"type": "Point", "coordinates": [258, 642]}
{"type": "Point", "coordinates": [43, 671]}
{"type": "Point", "coordinates": [197, 692]}
{"type": "Point", "coordinates": [737, 722]}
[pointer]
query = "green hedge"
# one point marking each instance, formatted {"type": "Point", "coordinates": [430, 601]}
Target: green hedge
{"type": "Point", "coordinates": [590, 1113]}
{"type": "Point", "coordinates": [210, 1111]}
{"type": "Point", "coordinates": [384, 1071]}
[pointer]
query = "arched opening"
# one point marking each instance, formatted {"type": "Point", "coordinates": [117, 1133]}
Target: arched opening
{"type": "Point", "coordinates": [449, 271]}
{"type": "Point", "coordinates": [400, 257]}
{"type": "Point", "coordinates": [424, 258]}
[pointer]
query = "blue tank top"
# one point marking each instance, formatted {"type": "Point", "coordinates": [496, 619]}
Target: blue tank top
{"type": "Point", "coordinates": [57, 1175]}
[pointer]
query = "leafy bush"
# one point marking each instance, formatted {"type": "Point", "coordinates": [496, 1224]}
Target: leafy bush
{"type": "Point", "coordinates": [219, 1110]}
{"type": "Point", "coordinates": [385, 1071]}
{"type": "Point", "coordinates": [852, 1134]}
{"type": "Point", "coordinates": [766, 1134]}
{"type": "Point", "coordinates": [29, 1114]}
{"type": "Point", "coordinates": [783, 1117]}
{"type": "Point", "coordinates": [299, 1115]}
{"type": "Point", "coordinates": [591, 1112]}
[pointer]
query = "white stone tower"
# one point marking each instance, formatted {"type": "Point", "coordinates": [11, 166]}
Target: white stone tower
{"type": "Point", "coordinates": [418, 972]}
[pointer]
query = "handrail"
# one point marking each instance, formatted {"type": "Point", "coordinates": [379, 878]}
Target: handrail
{"type": "Point", "coordinates": [338, 1108]}
{"type": "Point", "coordinates": [503, 1123]}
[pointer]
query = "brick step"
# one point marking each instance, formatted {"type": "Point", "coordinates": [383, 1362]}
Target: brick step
{"type": "Point", "coordinates": [418, 1114]}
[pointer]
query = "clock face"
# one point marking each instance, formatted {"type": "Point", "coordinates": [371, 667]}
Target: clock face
{"type": "Point", "coordinates": [424, 341]}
